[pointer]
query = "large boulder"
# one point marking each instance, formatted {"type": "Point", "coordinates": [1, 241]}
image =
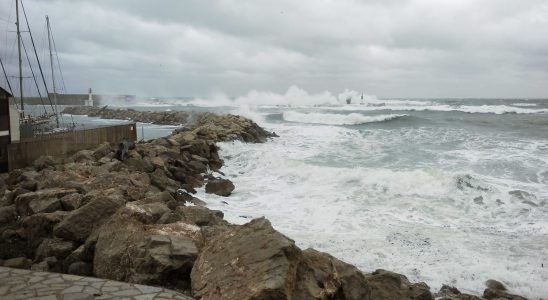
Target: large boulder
{"type": "Point", "coordinates": [221, 187]}
{"type": "Point", "coordinates": [252, 261]}
{"type": "Point", "coordinates": [390, 285]}
{"type": "Point", "coordinates": [128, 250]}
{"type": "Point", "coordinates": [79, 223]}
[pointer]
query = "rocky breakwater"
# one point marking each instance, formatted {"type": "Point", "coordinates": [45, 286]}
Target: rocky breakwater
{"type": "Point", "coordinates": [136, 220]}
{"type": "Point", "coordinates": [158, 117]}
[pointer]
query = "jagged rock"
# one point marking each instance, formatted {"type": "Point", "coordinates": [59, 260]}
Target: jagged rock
{"type": "Point", "coordinates": [41, 201]}
{"type": "Point", "coordinates": [321, 276]}
{"type": "Point", "coordinates": [221, 187]}
{"type": "Point", "coordinates": [58, 248]}
{"type": "Point", "coordinates": [229, 265]}
{"type": "Point", "coordinates": [18, 263]}
{"type": "Point", "coordinates": [79, 223]}
{"type": "Point", "coordinates": [128, 251]}
{"type": "Point", "coordinates": [390, 285]}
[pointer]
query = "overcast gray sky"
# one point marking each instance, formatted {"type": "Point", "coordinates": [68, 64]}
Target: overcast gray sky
{"type": "Point", "coordinates": [389, 48]}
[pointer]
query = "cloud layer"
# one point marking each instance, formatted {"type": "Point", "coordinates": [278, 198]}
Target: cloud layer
{"type": "Point", "coordinates": [414, 48]}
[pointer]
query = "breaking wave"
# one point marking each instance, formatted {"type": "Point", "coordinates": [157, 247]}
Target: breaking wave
{"type": "Point", "coordinates": [481, 109]}
{"type": "Point", "coordinates": [336, 119]}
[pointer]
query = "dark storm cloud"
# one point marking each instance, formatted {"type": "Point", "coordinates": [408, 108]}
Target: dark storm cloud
{"type": "Point", "coordinates": [415, 48]}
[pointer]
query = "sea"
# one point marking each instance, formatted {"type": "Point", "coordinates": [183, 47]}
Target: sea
{"type": "Point", "coordinates": [444, 191]}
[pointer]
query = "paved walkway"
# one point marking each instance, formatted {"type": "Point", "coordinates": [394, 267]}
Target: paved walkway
{"type": "Point", "coordinates": [24, 284]}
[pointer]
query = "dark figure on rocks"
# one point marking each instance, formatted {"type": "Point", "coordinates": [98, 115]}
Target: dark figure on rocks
{"type": "Point", "coordinates": [123, 147]}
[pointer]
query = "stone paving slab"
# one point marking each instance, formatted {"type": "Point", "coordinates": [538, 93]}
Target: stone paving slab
{"type": "Point", "coordinates": [25, 284]}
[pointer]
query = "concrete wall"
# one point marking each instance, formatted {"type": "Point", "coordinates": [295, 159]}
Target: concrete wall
{"type": "Point", "coordinates": [26, 151]}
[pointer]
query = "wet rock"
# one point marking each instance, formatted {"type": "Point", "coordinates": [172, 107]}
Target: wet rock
{"type": "Point", "coordinates": [221, 187]}
{"type": "Point", "coordinates": [479, 200]}
{"type": "Point", "coordinates": [18, 263]}
{"type": "Point", "coordinates": [494, 284]}
{"type": "Point", "coordinates": [79, 223]}
{"type": "Point", "coordinates": [451, 293]}
{"type": "Point", "coordinates": [497, 294]}
{"type": "Point", "coordinates": [227, 267]}
{"type": "Point", "coordinates": [389, 285]}
{"type": "Point", "coordinates": [522, 195]}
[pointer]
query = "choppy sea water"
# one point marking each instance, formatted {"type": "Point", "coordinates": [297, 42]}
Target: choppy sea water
{"type": "Point", "coordinates": [443, 191]}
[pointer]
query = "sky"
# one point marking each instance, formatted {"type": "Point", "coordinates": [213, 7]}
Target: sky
{"type": "Point", "coordinates": [387, 48]}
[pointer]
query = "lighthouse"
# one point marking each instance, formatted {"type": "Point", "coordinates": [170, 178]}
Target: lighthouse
{"type": "Point", "coordinates": [89, 102]}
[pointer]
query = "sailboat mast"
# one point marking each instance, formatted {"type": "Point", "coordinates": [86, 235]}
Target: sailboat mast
{"type": "Point", "coordinates": [20, 59]}
{"type": "Point", "coordinates": [52, 71]}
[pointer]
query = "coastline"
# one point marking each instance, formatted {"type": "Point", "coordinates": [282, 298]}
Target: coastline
{"type": "Point", "coordinates": [142, 218]}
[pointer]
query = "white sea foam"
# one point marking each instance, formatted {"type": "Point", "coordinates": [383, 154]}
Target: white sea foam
{"type": "Point", "coordinates": [421, 221]}
{"type": "Point", "coordinates": [492, 109]}
{"type": "Point", "coordinates": [336, 119]}
{"type": "Point", "coordinates": [524, 104]}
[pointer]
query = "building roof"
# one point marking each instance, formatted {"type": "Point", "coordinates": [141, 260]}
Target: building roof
{"type": "Point", "coordinates": [4, 92]}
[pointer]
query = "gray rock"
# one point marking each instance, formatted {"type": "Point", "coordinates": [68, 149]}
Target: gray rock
{"type": "Point", "coordinates": [229, 266]}
{"type": "Point", "coordinates": [79, 223]}
{"type": "Point", "coordinates": [221, 187]}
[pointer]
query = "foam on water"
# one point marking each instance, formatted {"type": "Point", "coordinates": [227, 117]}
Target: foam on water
{"type": "Point", "coordinates": [485, 109]}
{"type": "Point", "coordinates": [336, 119]}
{"type": "Point", "coordinates": [442, 220]}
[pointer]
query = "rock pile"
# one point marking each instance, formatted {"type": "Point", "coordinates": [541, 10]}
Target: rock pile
{"type": "Point", "coordinates": [136, 220]}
